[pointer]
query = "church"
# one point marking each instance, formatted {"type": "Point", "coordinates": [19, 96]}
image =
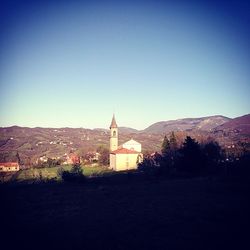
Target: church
{"type": "Point", "coordinates": [124, 157]}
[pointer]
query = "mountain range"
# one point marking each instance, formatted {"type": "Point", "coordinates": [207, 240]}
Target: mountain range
{"type": "Point", "coordinates": [203, 123]}
{"type": "Point", "coordinates": [32, 143]}
{"type": "Point", "coordinates": [164, 127]}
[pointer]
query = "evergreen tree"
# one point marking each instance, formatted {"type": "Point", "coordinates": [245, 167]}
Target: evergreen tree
{"type": "Point", "coordinates": [173, 142]}
{"type": "Point", "coordinates": [191, 156]}
{"type": "Point", "coordinates": [212, 153]}
{"type": "Point", "coordinates": [165, 148]}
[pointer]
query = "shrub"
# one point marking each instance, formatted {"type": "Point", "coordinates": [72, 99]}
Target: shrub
{"type": "Point", "coordinates": [74, 175]}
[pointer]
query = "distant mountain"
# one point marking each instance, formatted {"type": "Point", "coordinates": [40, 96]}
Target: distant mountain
{"type": "Point", "coordinates": [203, 123]}
{"type": "Point", "coordinates": [101, 129]}
{"type": "Point", "coordinates": [126, 130]}
{"type": "Point", "coordinates": [239, 125]}
{"type": "Point", "coordinates": [234, 132]}
{"type": "Point", "coordinates": [123, 130]}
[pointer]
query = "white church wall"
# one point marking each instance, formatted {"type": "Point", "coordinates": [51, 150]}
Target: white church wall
{"type": "Point", "coordinates": [125, 161]}
{"type": "Point", "coordinates": [112, 161]}
{"type": "Point", "coordinates": [132, 145]}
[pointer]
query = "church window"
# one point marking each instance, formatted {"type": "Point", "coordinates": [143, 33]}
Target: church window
{"type": "Point", "coordinates": [114, 133]}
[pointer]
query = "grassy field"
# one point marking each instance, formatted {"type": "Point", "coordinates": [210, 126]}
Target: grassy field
{"type": "Point", "coordinates": [199, 213]}
{"type": "Point", "coordinates": [52, 173]}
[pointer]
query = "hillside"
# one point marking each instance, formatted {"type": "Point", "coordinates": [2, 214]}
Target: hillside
{"type": "Point", "coordinates": [126, 130]}
{"type": "Point", "coordinates": [237, 129]}
{"type": "Point", "coordinates": [240, 124]}
{"type": "Point", "coordinates": [33, 143]}
{"type": "Point", "coordinates": [203, 123]}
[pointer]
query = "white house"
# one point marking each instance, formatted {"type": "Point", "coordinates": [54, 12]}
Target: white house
{"type": "Point", "coordinates": [9, 166]}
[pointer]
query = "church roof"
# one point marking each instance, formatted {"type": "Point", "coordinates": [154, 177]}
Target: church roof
{"type": "Point", "coordinates": [124, 151]}
{"type": "Point", "coordinates": [113, 123]}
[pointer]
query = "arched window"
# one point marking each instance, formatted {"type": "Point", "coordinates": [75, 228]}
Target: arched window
{"type": "Point", "coordinates": [114, 133]}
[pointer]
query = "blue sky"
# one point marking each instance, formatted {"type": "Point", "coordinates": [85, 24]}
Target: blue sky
{"type": "Point", "coordinates": [74, 63]}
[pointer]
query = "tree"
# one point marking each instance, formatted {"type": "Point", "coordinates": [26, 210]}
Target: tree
{"type": "Point", "coordinates": [169, 152]}
{"type": "Point", "coordinates": [104, 155]}
{"type": "Point", "coordinates": [76, 169]}
{"type": "Point", "coordinates": [165, 148]}
{"type": "Point", "coordinates": [51, 163]}
{"type": "Point", "coordinates": [191, 156]}
{"type": "Point", "coordinates": [74, 175]}
{"type": "Point", "coordinates": [173, 142]}
{"type": "Point", "coordinates": [150, 164]}
{"type": "Point", "coordinates": [212, 152]}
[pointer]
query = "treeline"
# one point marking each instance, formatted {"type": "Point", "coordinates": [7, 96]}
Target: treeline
{"type": "Point", "coordinates": [194, 158]}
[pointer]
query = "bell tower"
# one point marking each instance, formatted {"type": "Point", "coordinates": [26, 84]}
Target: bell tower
{"type": "Point", "coordinates": [113, 135]}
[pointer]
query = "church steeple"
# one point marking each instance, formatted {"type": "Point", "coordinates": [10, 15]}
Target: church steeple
{"type": "Point", "coordinates": [113, 122]}
{"type": "Point", "coordinates": [113, 134]}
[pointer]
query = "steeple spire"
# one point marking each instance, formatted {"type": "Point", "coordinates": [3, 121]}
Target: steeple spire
{"type": "Point", "coordinates": [113, 123]}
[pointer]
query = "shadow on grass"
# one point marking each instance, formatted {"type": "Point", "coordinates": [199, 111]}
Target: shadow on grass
{"type": "Point", "coordinates": [126, 210]}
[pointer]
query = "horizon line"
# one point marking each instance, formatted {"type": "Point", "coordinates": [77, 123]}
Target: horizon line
{"type": "Point", "coordinates": [100, 128]}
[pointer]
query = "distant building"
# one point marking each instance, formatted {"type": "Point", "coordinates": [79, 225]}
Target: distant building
{"type": "Point", "coordinates": [91, 157]}
{"type": "Point", "coordinates": [125, 157]}
{"type": "Point", "coordinates": [43, 158]}
{"type": "Point", "coordinates": [72, 158]}
{"type": "Point", "coordinates": [9, 167]}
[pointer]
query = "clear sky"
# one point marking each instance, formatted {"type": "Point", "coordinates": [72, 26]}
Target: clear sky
{"type": "Point", "coordinates": [74, 63]}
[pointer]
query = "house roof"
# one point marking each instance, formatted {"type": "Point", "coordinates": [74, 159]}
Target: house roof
{"type": "Point", "coordinates": [124, 151]}
{"type": "Point", "coordinates": [9, 164]}
{"type": "Point", "coordinates": [113, 123]}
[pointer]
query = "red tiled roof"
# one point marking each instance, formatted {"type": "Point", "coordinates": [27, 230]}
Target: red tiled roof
{"type": "Point", "coordinates": [124, 151]}
{"type": "Point", "coordinates": [9, 164]}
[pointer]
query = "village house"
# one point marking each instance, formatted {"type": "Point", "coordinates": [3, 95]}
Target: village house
{"type": "Point", "coordinates": [9, 167]}
{"type": "Point", "coordinates": [125, 157]}
{"type": "Point", "coordinates": [72, 159]}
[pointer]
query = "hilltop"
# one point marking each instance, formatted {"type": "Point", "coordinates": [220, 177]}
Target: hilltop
{"type": "Point", "coordinates": [202, 124]}
{"type": "Point", "coordinates": [237, 130]}
{"type": "Point", "coordinates": [240, 124]}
